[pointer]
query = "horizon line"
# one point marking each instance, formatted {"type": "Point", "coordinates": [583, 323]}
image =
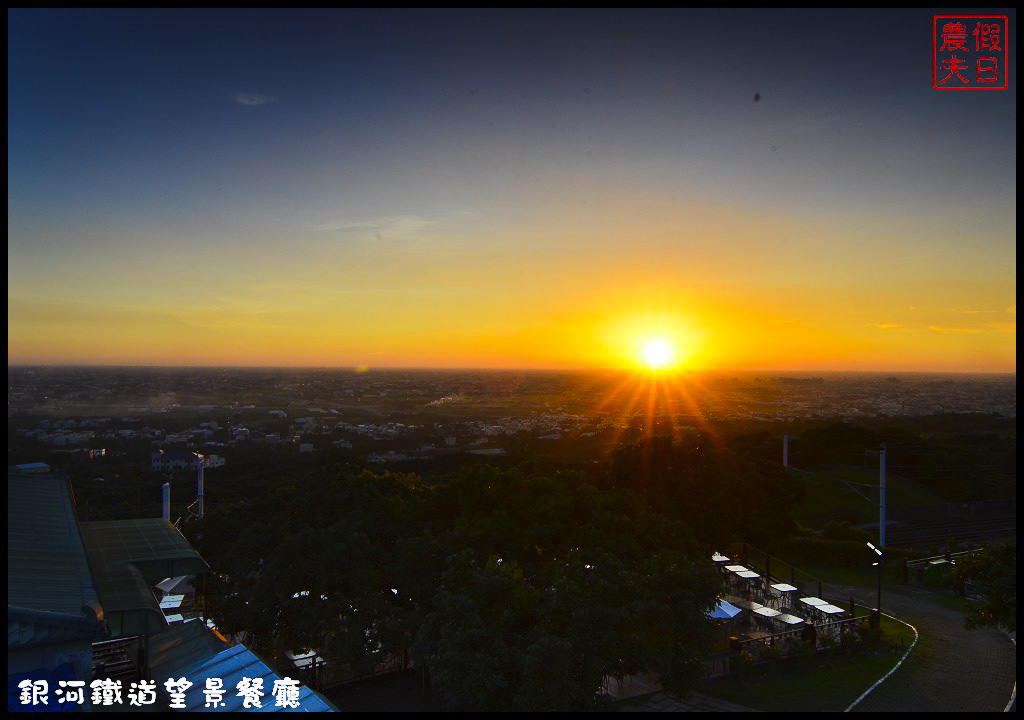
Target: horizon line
{"type": "Point", "coordinates": [407, 368]}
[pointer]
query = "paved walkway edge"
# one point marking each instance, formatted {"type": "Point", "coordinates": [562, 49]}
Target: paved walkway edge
{"type": "Point", "coordinates": [895, 667]}
{"type": "Point", "coordinates": [1013, 695]}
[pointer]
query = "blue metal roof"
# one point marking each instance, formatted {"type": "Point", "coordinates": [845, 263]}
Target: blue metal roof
{"type": "Point", "coordinates": [231, 665]}
{"type": "Point", "coordinates": [52, 678]}
{"type": "Point", "coordinates": [725, 610]}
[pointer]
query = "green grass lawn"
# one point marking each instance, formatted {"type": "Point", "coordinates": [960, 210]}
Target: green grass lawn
{"type": "Point", "coordinates": [824, 683]}
{"type": "Point", "coordinates": [892, 578]}
{"type": "Point", "coordinates": [826, 497]}
{"type": "Point", "coordinates": [865, 578]}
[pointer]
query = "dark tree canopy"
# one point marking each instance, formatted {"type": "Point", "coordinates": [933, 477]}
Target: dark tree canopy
{"type": "Point", "coordinates": [516, 590]}
{"type": "Point", "coordinates": [992, 571]}
{"type": "Point", "coordinates": [722, 493]}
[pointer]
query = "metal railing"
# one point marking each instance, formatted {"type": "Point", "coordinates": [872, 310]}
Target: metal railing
{"type": "Point", "coordinates": [323, 674]}
{"type": "Point", "coordinates": [922, 562]}
{"type": "Point", "coordinates": [806, 583]}
{"type": "Point", "coordinates": [719, 664]}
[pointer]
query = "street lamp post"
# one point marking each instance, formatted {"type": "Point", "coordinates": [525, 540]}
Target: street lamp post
{"type": "Point", "coordinates": [876, 614]}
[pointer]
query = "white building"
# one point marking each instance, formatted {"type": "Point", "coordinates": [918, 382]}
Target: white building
{"type": "Point", "coordinates": [175, 460]}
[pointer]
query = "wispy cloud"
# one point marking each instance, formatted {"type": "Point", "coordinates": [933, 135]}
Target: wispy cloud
{"type": "Point", "coordinates": [953, 330]}
{"type": "Point", "coordinates": [888, 326]}
{"type": "Point", "coordinates": [390, 227]}
{"type": "Point", "coordinates": [251, 99]}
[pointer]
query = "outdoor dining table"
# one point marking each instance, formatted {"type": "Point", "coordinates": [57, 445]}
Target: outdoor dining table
{"type": "Point", "coordinates": [830, 609]}
{"type": "Point", "coordinates": [717, 557]}
{"type": "Point", "coordinates": [748, 574]}
{"type": "Point", "coordinates": [813, 601]}
{"type": "Point", "coordinates": [169, 602]}
{"type": "Point", "coordinates": [789, 619]}
{"type": "Point", "coordinates": [778, 592]}
{"type": "Point", "coordinates": [736, 568]}
{"type": "Point", "coordinates": [767, 611]}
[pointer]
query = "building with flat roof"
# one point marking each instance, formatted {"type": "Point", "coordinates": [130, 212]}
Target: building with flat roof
{"type": "Point", "coordinates": [71, 585]}
{"type": "Point", "coordinates": [175, 460]}
{"type": "Point", "coordinates": [54, 612]}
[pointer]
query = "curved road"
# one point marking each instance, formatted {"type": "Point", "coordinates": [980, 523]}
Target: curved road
{"type": "Point", "coordinates": [951, 669]}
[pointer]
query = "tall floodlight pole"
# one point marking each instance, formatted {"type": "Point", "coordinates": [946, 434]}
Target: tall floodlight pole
{"type": "Point", "coordinates": [881, 499]}
{"type": "Point", "coordinates": [878, 607]}
{"type": "Point", "coordinates": [881, 491]}
{"type": "Point", "coordinates": [199, 498]}
{"type": "Point", "coordinates": [785, 451]}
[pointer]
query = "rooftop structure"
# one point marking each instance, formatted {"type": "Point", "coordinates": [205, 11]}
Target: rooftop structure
{"type": "Point", "coordinates": [53, 608]}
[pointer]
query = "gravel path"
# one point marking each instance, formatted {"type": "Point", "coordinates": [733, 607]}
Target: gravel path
{"type": "Point", "coordinates": [951, 669]}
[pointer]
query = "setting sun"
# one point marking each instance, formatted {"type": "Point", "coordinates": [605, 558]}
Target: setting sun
{"type": "Point", "coordinates": [657, 353]}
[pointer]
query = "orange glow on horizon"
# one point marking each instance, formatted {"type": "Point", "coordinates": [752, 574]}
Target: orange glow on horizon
{"type": "Point", "coordinates": [699, 329]}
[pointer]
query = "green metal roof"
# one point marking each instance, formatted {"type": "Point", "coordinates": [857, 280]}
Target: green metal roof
{"type": "Point", "coordinates": [46, 565]}
{"type": "Point", "coordinates": [128, 557]}
{"type": "Point", "coordinates": [29, 628]}
{"type": "Point", "coordinates": [48, 578]}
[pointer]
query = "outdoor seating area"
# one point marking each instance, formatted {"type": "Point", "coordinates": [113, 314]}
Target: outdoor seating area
{"type": "Point", "coordinates": [756, 610]}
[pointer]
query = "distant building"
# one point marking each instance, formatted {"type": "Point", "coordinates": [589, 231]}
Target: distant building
{"type": "Point", "coordinates": [72, 584]}
{"type": "Point", "coordinates": [213, 461]}
{"type": "Point", "coordinates": [389, 456]}
{"type": "Point", "coordinates": [175, 460]}
{"type": "Point", "coordinates": [306, 447]}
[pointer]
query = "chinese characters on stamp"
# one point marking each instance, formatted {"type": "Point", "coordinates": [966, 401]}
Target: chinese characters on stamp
{"type": "Point", "coordinates": [970, 52]}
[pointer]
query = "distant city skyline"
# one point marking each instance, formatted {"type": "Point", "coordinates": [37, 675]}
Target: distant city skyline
{"type": "Point", "coordinates": [760, 190]}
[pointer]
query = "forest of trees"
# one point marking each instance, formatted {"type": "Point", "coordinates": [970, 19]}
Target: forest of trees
{"type": "Point", "coordinates": [515, 589]}
{"type": "Point", "coordinates": [521, 584]}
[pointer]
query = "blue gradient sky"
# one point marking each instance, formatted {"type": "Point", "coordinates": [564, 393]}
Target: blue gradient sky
{"type": "Point", "coordinates": [459, 188]}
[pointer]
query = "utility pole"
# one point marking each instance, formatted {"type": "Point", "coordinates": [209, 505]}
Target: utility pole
{"type": "Point", "coordinates": [881, 492]}
{"type": "Point", "coordinates": [881, 498]}
{"type": "Point", "coordinates": [785, 451]}
{"type": "Point", "coordinates": [876, 615]}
